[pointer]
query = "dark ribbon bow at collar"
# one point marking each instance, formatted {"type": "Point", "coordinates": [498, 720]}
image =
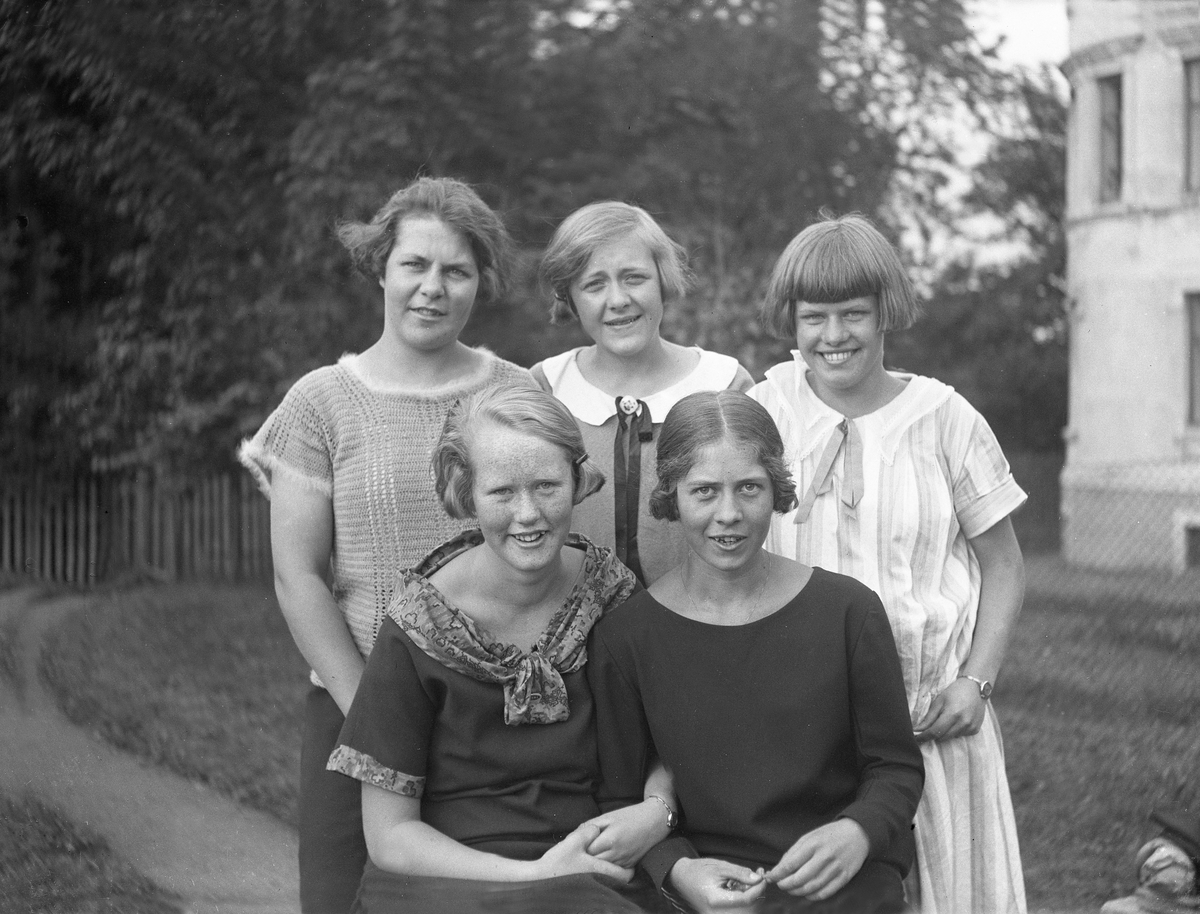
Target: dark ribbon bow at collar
{"type": "Point", "coordinates": [634, 427]}
{"type": "Point", "coordinates": [846, 441]}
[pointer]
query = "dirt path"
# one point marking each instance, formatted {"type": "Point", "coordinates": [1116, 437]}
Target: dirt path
{"type": "Point", "coordinates": [220, 857]}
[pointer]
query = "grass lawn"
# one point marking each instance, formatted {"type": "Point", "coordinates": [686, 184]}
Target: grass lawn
{"type": "Point", "coordinates": [203, 679]}
{"type": "Point", "coordinates": [48, 865]}
{"type": "Point", "coordinates": [1099, 701]}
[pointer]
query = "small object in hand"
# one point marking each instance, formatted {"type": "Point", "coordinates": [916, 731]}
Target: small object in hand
{"type": "Point", "coordinates": [736, 885]}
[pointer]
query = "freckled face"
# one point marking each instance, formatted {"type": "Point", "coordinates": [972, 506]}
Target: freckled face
{"type": "Point", "coordinates": [429, 284]}
{"type": "Point", "coordinates": [618, 298]}
{"type": "Point", "coordinates": [841, 344]}
{"type": "Point", "coordinates": [725, 505]}
{"type": "Point", "coordinates": [524, 493]}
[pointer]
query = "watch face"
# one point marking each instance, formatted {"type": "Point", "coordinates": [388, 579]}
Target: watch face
{"type": "Point", "coordinates": [985, 690]}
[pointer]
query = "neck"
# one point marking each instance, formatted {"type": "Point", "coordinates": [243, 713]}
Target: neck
{"type": "Point", "coordinates": [511, 588]}
{"type": "Point", "coordinates": [733, 595]}
{"type": "Point", "coordinates": [874, 392]}
{"type": "Point", "coordinates": [639, 374]}
{"type": "Point", "coordinates": [391, 362]}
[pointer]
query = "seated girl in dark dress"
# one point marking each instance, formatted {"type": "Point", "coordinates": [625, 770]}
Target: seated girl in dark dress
{"type": "Point", "coordinates": [771, 690]}
{"type": "Point", "coordinates": [473, 728]}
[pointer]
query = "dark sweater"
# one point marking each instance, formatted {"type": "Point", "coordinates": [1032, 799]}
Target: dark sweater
{"type": "Point", "coordinates": [771, 729]}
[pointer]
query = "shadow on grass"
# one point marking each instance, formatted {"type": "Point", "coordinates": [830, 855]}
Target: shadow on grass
{"type": "Point", "coordinates": [49, 864]}
{"type": "Point", "coordinates": [201, 679]}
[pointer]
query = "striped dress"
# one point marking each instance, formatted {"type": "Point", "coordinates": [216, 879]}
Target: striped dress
{"type": "Point", "coordinates": [933, 477]}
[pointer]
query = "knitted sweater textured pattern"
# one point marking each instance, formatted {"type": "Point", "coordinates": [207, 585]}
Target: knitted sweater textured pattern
{"type": "Point", "coordinates": [369, 450]}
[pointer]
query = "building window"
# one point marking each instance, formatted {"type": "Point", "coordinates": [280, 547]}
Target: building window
{"type": "Point", "coordinates": [1193, 312]}
{"type": "Point", "coordinates": [1191, 121]}
{"type": "Point", "coordinates": [1110, 139]}
{"type": "Point", "coordinates": [1191, 547]}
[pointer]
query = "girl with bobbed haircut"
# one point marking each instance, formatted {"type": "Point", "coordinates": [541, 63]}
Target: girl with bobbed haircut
{"type": "Point", "coordinates": [903, 485]}
{"type": "Point", "coordinates": [593, 226]}
{"type": "Point", "coordinates": [523, 409]}
{"type": "Point", "coordinates": [708, 417]}
{"type": "Point", "coordinates": [835, 260]}
{"type": "Point", "coordinates": [614, 269]}
{"type": "Point", "coordinates": [450, 201]}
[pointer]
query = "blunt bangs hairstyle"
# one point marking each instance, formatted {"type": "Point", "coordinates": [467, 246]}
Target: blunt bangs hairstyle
{"type": "Point", "coordinates": [709, 417]}
{"type": "Point", "coordinates": [450, 201]}
{"type": "Point", "coordinates": [833, 261]}
{"type": "Point", "coordinates": [591, 227]}
{"type": "Point", "coordinates": [529, 410]}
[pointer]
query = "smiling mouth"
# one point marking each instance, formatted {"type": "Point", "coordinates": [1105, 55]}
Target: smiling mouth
{"type": "Point", "coordinates": [728, 541]}
{"type": "Point", "coordinates": [622, 322]}
{"type": "Point", "coordinates": [529, 539]}
{"type": "Point", "coordinates": [428, 312]}
{"type": "Point", "coordinates": [836, 358]}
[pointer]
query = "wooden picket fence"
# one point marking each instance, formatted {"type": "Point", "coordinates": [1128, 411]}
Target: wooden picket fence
{"type": "Point", "coordinates": [104, 527]}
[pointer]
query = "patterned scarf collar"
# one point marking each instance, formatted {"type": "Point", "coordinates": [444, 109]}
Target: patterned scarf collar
{"type": "Point", "coordinates": [534, 691]}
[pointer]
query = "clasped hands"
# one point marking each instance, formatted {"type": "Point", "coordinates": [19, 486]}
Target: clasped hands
{"type": "Point", "coordinates": [608, 845]}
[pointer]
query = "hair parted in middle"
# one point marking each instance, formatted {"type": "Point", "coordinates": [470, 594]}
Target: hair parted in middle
{"type": "Point", "coordinates": [450, 201]}
{"type": "Point", "coordinates": [836, 260]}
{"type": "Point", "coordinates": [529, 410]}
{"type": "Point", "coordinates": [710, 417]}
{"type": "Point", "coordinates": [591, 227]}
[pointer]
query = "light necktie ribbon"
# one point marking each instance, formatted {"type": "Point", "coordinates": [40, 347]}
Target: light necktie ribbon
{"type": "Point", "coordinates": [846, 441]}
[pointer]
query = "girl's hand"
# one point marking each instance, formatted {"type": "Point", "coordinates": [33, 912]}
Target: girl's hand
{"type": "Point", "coordinates": [571, 856]}
{"type": "Point", "coordinates": [626, 834]}
{"type": "Point", "coordinates": [708, 884]}
{"type": "Point", "coordinates": [822, 861]}
{"type": "Point", "coordinates": [956, 711]}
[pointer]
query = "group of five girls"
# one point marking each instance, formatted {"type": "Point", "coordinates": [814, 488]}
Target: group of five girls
{"type": "Point", "coordinates": [619, 699]}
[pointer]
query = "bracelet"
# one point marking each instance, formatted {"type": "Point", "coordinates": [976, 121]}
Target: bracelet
{"type": "Point", "coordinates": [985, 687]}
{"type": "Point", "coordinates": [672, 816]}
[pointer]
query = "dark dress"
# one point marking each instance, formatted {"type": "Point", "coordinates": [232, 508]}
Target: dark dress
{"type": "Point", "coordinates": [771, 729]}
{"type": "Point", "coordinates": [422, 729]}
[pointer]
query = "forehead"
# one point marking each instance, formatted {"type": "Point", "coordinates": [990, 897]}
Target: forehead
{"type": "Point", "coordinates": [851, 304]}
{"type": "Point", "coordinates": [621, 254]}
{"type": "Point", "coordinates": [426, 233]}
{"type": "Point", "coordinates": [726, 457]}
{"type": "Point", "coordinates": [497, 451]}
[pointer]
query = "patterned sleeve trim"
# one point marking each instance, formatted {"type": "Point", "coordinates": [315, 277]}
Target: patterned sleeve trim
{"type": "Point", "coordinates": [362, 767]}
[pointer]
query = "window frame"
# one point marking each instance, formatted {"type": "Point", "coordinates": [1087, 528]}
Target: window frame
{"type": "Point", "coordinates": [1111, 127]}
{"type": "Point", "coordinates": [1191, 124]}
{"type": "Point", "coordinates": [1191, 307]}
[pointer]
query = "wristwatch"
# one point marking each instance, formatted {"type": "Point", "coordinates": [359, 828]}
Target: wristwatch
{"type": "Point", "coordinates": [985, 687]}
{"type": "Point", "coordinates": [672, 818]}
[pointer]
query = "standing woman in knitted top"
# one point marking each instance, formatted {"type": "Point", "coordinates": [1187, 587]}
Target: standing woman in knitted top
{"type": "Point", "coordinates": [613, 268]}
{"type": "Point", "coordinates": [344, 460]}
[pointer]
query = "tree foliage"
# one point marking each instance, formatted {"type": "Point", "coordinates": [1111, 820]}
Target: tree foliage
{"type": "Point", "coordinates": [998, 333]}
{"type": "Point", "coordinates": [172, 173]}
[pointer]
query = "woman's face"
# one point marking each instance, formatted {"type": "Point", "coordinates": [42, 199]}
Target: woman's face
{"type": "Point", "coordinates": [429, 284]}
{"type": "Point", "coordinates": [524, 491]}
{"type": "Point", "coordinates": [841, 344]}
{"type": "Point", "coordinates": [725, 505]}
{"type": "Point", "coordinates": [618, 298]}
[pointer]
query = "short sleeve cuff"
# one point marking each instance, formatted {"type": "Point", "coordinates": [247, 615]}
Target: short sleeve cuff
{"type": "Point", "coordinates": [363, 767]}
{"type": "Point", "coordinates": [659, 859]}
{"type": "Point", "coordinates": [989, 509]}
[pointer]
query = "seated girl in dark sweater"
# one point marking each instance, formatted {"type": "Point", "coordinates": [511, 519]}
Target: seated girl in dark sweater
{"type": "Point", "coordinates": [770, 689]}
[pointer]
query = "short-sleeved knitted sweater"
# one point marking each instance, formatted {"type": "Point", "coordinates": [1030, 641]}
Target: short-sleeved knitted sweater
{"type": "Point", "coordinates": [369, 449]}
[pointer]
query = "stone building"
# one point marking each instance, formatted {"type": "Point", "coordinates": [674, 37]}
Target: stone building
{"type": "Point", "coordinates": [1131, 484]}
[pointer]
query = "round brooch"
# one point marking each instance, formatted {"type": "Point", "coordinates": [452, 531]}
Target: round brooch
{"type": "Point", "coordinates": [629, 406]}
